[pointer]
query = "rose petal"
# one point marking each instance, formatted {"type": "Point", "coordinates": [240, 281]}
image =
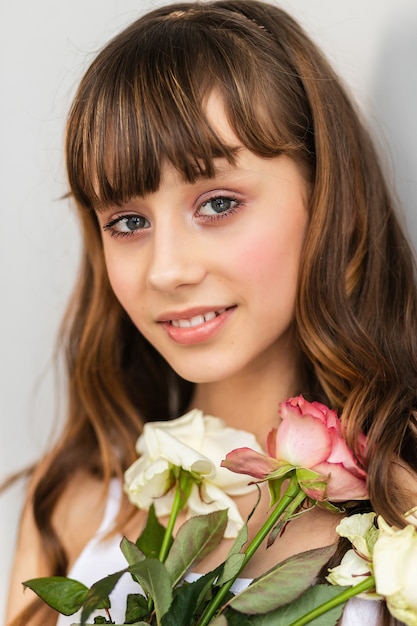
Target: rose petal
{"type": "Point", "coordinates": [357, 528]}
{"type": "Point", "coordinates": [163, 505]}
{"type": "Point", "coordinates": [302, 441]}
{"type": "Point", "coordinates": [342, 454]}
{"type": "Point", "coordinates": [210, 498]}
{"type": "Point", "coordinates": [271, 442]}
{"type": "Point", "coordinates": [181, 455]}
{"type": "Point", "coordinates": [342, 484]}
{"type": "Point", "coordinates": [352, 570]}
{"type": "Point", "coordinates": [219, 440]}
{"type": "Point", "coordinates": [189, 429]}
{"type": "Point", "coordinates": [410, 577]}
{"type": "Point", "coordinates": [313, 409]}
{"type": "Point", "coordinates": [249, 462]}
{"type": "Point", "coordinates": [391, 553]}
{"type": "Point", "coordinates": [144, 485]}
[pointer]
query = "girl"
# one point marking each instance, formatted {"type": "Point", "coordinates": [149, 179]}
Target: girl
{"type": "Point", "coordinates": [240, 247]}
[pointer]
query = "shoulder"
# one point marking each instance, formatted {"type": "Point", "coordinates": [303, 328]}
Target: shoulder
{"type": "Point", "coordinates": [75, 519]}
{"type": "Point", "coordinates": [79, 513]}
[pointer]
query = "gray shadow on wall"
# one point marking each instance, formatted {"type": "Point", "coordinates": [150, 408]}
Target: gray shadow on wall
{"type": "Point", "coordinates": [394, 102]}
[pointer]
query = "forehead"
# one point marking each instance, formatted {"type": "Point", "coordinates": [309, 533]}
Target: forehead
{"type": "Point", "coordinates": [222, 170]}
{"type": "Point", "coordinates": [216, 115]}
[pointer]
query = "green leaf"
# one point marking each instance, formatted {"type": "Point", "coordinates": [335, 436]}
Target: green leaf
{"type": "Point", "coordinates": [282, 584]}
{"type": "Point", "coordinates": [235, 619]}
{"type": "Point", "coordinates": [312, 598]}
{"type": "Point", "coordinates": [189, 598]}
{"type": "Point", "coordinates": [155, 582]}
{"type": "Point", "coordinates": [330, 506]}
{"type": "Point", "coordinates": [235, 557]}
{"type": "Point", "coordinates": [195, 539]}
{"type": "Point", "coordinates": [150, 540]}
{"type": "Point", "coordinates": [131, 551]}
{"type": "Point", "coordinates": [241, 539]}
{"type": "Point", "coordinates": [311, 480]}
{"type": "Point", "coordinates": [98, 594]}
{"type": "Point", "coordinates": [231, 569]}
{"type": "Point", "coordinates": [136, 608]}
{"type": "Point", "coordinates": [275, 486]}
{"type": "Point", "coordinates": [65, 595]}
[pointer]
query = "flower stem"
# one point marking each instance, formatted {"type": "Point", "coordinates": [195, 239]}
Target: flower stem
{"type": "Point", "coordinates": [180, 498]}
{"type": "Point", "coordinates": [365, 585]}
{"type": "Point", "coordinates": [292, 494]}
{"type": "Point", "coordinates": [291, 499]}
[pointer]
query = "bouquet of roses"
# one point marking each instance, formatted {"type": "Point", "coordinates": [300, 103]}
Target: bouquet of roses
{"type": "Point", "coordinates": [183, 465]}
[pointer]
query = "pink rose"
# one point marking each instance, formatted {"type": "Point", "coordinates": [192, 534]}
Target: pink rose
{"type": "Point", "coordinates": [309, 436]}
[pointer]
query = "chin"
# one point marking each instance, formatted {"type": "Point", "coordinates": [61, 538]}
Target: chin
{"type": "Point", "coordinates": [204, 372]}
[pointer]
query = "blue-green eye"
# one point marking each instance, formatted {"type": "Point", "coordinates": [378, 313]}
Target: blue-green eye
{"type": "Point", "coordinates": [126, 224]}
{"type": "Point", "coordinates": [218, 205]}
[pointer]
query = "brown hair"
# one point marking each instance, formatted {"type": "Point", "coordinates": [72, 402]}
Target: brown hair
{"type": "Point", "coordinates": [142, 104]}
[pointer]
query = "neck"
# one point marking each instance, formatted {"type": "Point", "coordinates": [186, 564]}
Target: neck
{"type": "Point", "coordinates": [250, 401]}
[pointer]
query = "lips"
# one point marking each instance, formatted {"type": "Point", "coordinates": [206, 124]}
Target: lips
{"type": "Point", "coordinates": [196, 325]}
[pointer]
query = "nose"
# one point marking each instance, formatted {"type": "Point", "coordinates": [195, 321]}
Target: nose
{"type": "Point", "coordinates": [176, 260]}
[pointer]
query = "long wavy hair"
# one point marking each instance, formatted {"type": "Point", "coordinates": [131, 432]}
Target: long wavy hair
{"type": "Point", "coordinates": [140, 105]}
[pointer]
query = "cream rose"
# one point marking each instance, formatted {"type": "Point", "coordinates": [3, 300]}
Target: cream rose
{"type": "Point", "coordinates": [197, 443]}
{"type": "Point", "coordinates": [356, 564]}
{"type": "Point", "coordinates": [395, 568]}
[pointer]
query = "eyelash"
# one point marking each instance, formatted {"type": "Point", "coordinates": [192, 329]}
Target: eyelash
{"type": "Point", "coordinates": [110, 226]}
{"type": "Point", "coordinates": [224, 214]}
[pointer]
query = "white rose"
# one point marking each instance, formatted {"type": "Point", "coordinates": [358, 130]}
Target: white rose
{"type": "Point", "coordinates": [395, 567]}
{"type": "Point", "coordinates": [356, 564]}
{"type": "Point", "coordinates": [197, 443]}
{"type": "Point", "coordinates": [361, 532]}
{"type": "Point", "coordinates": [351, 571]}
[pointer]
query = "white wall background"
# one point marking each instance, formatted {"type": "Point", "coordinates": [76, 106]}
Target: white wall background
{"type": "Point", "coordinates": [44, 48]}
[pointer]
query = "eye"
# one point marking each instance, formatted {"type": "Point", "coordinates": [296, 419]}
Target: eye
{"type": "Point", "coordinates": [126, 225]}
{"type": "Point", "coordinates": [218, 206]}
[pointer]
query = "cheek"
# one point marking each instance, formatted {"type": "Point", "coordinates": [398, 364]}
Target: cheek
{"type": "Point", "coordinates": [269, 259]}
{"type": "Point", "coordinates": [121, 277]}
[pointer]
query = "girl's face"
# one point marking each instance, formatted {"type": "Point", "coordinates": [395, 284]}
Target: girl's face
{"type": "Point", "coordinates": [208, 271]}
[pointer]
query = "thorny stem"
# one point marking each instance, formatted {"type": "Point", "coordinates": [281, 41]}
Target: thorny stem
{"type": "Point", "coordinates": [182, 488]}
{"type": "Point", "coordinates": [293, 493]}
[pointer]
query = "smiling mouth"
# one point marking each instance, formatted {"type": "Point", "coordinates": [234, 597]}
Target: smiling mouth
{"type": "Point", "coordinates": [196, 320]}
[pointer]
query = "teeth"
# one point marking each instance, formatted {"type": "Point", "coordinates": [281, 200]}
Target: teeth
{"type": "Point", "coordinates": [197, 319]}
{"type": "Point", "coordinates": [210, 316]}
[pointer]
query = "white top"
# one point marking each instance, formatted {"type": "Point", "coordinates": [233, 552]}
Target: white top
{"type": "Point", "coordinates": [102, 556]}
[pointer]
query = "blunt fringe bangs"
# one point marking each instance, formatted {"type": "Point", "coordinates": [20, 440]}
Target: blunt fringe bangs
{"type": "Point", "coordinates": [142, 103]}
